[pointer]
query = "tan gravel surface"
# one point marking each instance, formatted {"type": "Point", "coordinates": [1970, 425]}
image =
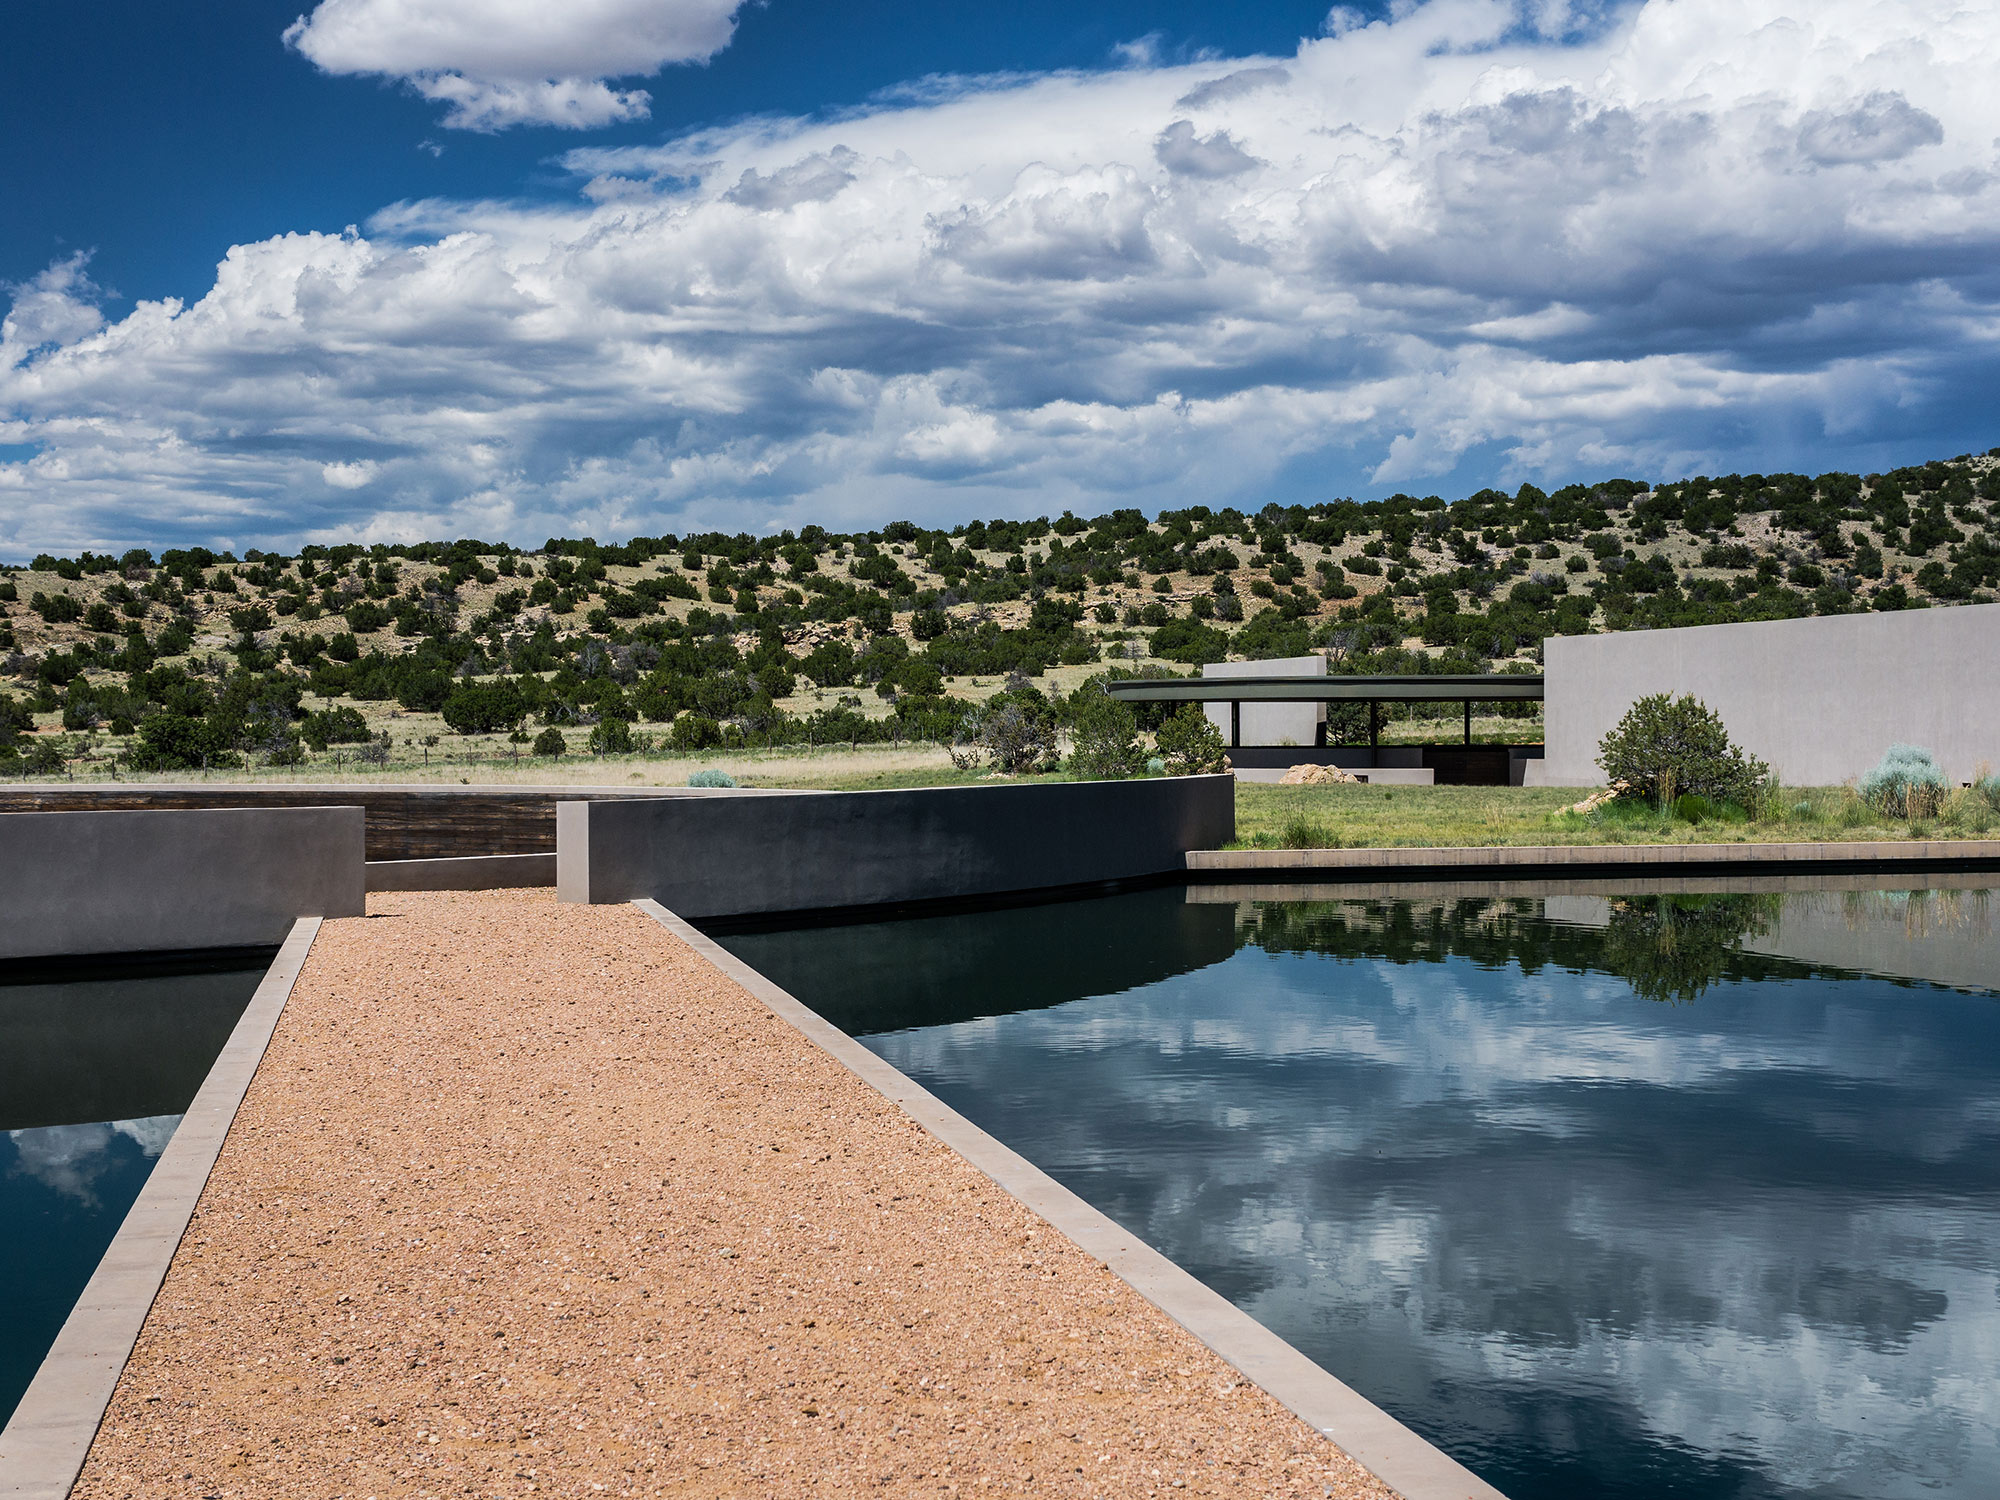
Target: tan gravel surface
{"type": "Point", "coordinates": [529, 1198]}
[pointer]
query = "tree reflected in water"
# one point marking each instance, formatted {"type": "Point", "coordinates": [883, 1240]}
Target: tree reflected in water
{"type": "Point", "coordinates": [1668, 948]}
{"type": "Point", "coordinates": [1671, 948]}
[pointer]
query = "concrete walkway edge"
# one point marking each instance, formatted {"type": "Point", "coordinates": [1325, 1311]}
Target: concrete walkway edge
{"type": "Point", "coordinates": [1577, 859]}
{"type": "Point", "coordinates": [49, 1436]}
{"type": "Point", "coordinates": [1373, 1438]}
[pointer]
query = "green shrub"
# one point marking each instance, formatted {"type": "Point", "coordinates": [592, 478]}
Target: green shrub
{"type": "Point", "coordinates": [1906, 783]}
{"type": "Point", "coordinates": [1019, 732]}
{"type": "Point", "coordinates": [334, 726]}
{"type": "Point", "coordinates": [46, 755]}
{"type": "Point", "coordinates": [711, 777]}
{"type": "Point", "coordinates": [1104, 736]}
{"type": "Point", "coordinates": [550, 742]}
{"type": "Point", "coordinates": [57, 609]}
{"type": "Point", "coordinates": [1989, 788]}
{"type": "Point", "coordinates": [484, 707]}
{"type": "Point", "coordinates": [181, 742]}
{"type": "Point", "coordinates": [1303, 833]}
{"type": "Point", "coordinates": [1189, 744]}
{"type": "Point", "coordinates": [1189, 641]}
{"type": "Point", "coordinates": [1666, 746]}
{"type": "Point", "coordinates": [611, 737]}
{"type": "Point", "coordinates": [693, 731]}
{"type": "Point", "coordinates": [1692, 807]}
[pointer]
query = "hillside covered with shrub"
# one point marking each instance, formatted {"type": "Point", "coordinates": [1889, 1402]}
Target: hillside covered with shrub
{"type": "Point", "coordinates": [191, 658]}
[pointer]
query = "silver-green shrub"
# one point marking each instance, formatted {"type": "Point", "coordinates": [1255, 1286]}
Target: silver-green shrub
{"type": "Point", "coordinates": [1906, 783]}
{"type": "Point", "coordinates": [711, 777]}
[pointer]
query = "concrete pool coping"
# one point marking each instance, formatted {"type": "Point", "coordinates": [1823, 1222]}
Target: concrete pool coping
{"type": "Point", "coordinates": [1916, 855]}
{"type": "Point", "coordinates": [1391, 1451]}
{"type": "Point", "coordinates": [45, 1443]}
{"type": "Point", "coordinates": [1228, 888]}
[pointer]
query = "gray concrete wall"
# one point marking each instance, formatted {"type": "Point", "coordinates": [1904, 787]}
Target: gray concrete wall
{"type": "Point", "coordinates": [739, 856]}
{"type": "Point", "coordinates": [1270, 723]}
{"type": "Point", "coordinates": [136, 882]}
{"type": "Point", "coordinates": [1819, 699]}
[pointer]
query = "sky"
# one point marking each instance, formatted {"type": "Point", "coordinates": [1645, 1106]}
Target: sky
{"type": "Point", "coordinates": [388, 270]}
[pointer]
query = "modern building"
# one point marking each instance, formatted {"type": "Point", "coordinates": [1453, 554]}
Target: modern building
{"type": "Point", "coordinates": [1267, 723]}
{"type": "Point", "coordinates": [1272, 716]}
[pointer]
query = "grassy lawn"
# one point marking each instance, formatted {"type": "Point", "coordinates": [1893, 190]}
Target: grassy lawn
{"type": "Point", "coordinates": [1298, 817]}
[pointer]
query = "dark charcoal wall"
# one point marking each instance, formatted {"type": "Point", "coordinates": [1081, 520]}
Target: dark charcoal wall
{"type": "Point", "coordinates": [140, 882]}
{"type": "Point", "coordinates": [873, 976]}
{"type": "Point", "coordinates": [818, 851]}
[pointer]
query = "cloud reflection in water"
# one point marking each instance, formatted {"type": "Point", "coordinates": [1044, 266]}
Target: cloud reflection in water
{"type": "Point", "coordinates": [1744, 1244]}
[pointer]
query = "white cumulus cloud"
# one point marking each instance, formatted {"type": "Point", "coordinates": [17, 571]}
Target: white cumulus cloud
{"type": "Point", "coordinates": [512, 62]}
{"type": "Point", "coordinates": [1460, 247]}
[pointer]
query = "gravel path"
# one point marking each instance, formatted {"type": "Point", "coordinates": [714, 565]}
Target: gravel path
{"type": "Point", "coordinates": [528, 1198]}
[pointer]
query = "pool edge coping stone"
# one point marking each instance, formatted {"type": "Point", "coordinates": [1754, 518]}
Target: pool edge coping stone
{"type": "Point", "coordinates": [1402, 1459]}
{"type": "Point", "coordinates": [1910, 854]}
{"type": "Point", "coordinates": [47, 1440]}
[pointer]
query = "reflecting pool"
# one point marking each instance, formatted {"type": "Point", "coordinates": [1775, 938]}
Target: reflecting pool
{"type": "Point", "coordinates": [1665, 1195]}
{"type": "Point", "coordinates": [95, 1071]}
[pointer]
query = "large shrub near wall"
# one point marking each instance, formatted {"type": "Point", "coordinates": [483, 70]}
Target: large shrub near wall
{"type": "Point", "coordinates": [1666, 747]}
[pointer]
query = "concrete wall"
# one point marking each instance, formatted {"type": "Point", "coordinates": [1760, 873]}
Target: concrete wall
{"type": "Point", "coordinates": [1820, 699]}
{"type": "Point", "coordinates": [742, 856]}
{"type": "Point", "coordinates": [136, 882]}
{"type": "Point", "coordinates": [1270, 723]}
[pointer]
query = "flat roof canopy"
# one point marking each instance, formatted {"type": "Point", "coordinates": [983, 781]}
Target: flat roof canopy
{"type": "Point", "coordinates": [1478, 687]}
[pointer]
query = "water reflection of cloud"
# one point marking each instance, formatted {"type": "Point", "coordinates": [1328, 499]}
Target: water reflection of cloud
{"type": "Point", "coordinates": [70, 1159]}
{"type": "Point", "coordinates": [1760, 1230]}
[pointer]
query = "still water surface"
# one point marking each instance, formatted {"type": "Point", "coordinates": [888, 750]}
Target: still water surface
{"type": "Point", "coordinates": [1651, 1197]}
{"type": "Point", "coordinates": [95, 1072]}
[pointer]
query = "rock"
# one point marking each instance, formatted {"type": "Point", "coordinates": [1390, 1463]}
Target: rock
{"type": "Point", "coordinates": [1596, 800]}
{"type": "Point", "coordinates": [1318, 776]}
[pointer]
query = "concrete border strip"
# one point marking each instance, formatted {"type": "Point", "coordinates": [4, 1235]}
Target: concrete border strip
{"type": "Point", "coordinates": [1576, 859]}
{"type": "Point", "coordinates": [1404, 1461]}
{"type": "Point", "coordinates": [50, 1434]}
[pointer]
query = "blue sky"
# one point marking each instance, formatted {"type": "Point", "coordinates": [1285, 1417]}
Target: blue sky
{"type": "Point", "coordinates": [404, 268]}
{"type": "Point", "coordinates": [156, 136]}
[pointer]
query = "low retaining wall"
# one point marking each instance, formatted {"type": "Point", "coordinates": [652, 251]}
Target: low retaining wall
{"type": "Point", "coordinates": [480, 872]}
{"type": "Point", "coordinates": [1913, 855]}
{"type": "Point", "coordinates": [75, 883]}
{"type": "Point", "coordinates": [404, 822]}
{"type": "Point", "coordinates": [814, 851]}
{"type": "Point", "coordinates": [1369, 1435]}
{"type": "Point", "coordinates": [45, 1442]}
